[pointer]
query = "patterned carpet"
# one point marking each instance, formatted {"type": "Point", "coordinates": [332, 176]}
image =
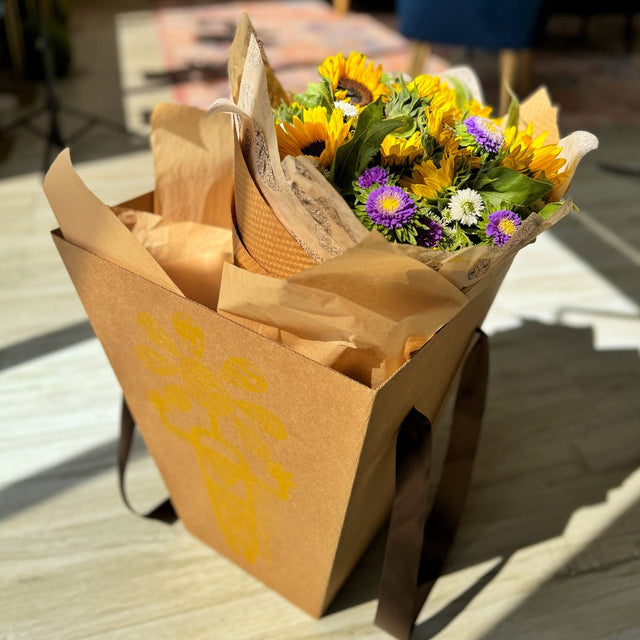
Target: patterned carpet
{"type": "Point", "coordinates": [297, 36]}
{"type": "Point", "coordinates": [595, 81]}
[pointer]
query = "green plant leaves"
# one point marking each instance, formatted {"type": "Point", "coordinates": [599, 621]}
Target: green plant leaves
{"type": "Point", "coordinates": [463, 94]}
{"type": "Point", "coordinates": [513, 113]}
{"type": "Point", "coordinates": [318, 94]}
{"type": "Point", "coordinates": [352, 158]}
{"type": "Point", "coordinates": [548, 210]}
{"type": "Point", "coordinates": [502, 186]}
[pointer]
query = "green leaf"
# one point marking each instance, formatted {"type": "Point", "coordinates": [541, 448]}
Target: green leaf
{"type": "Point", "coordinates": [461, 239]}
{"type": "Point", "coordinates": [548, 210]}
{"type": "Point", "coordinates": [352, 157]}
{"type": "Point", "coordinates": [513, 113]}
{"type": "Point", "coordinates": [407, 127]}
{"type": "Point", "coordinates": [463, 94]}
{"type": "Point", "coordinates": [482, 181]}
{"type": "Point", "coordinates": [511, 187]}
{"type": "Point", "coordinates": [318, 94]}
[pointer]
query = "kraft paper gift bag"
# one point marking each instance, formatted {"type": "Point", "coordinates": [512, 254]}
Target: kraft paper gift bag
{"type": "Point", "coordinates": [286, 383]}
{"type": "Point", "coordinates": [282, 464]}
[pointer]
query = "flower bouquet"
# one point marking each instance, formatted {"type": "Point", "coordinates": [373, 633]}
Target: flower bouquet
{"type": "Point", "coordinates": [420, 160]}
{"type": "Point", "coordinates": [362, 156]}
{"type": "Point", "coordinates": [301, 291]}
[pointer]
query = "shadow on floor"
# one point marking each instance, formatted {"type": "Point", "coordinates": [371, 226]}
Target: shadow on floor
{"type": "Point", "coordinates": [560, 431]}
{"type": "Point", "coordinates": [44, 344]}
{"type": "Point", "coordinates": [602, 576]}
{"type": "Point", "coordinates": [35, 489]}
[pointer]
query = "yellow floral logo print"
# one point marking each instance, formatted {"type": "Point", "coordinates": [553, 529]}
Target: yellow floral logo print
{"type": "Point", "coordinates": [229, 435]}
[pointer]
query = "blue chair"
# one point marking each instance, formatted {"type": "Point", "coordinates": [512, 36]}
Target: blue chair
{"type": "Point", "coordinates": [508, 26]}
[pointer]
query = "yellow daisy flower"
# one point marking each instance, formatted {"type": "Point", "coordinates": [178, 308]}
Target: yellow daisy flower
{"type": "Point", "coordinates": [475, 108]}
{"type": "Point", "coordinates": [429, 86]}
{"type": "Point", "coordinates": [316, 135]}
{"type": "Point", "coordinates": [429, 179]}
{"type": "Point", "coordinates": [451, 147]}
{"type": "Point", "coordinates": [442, 115]}
{"type": "Point", "coordinates": [360, 80]}
{"type": "Point", "coordinates": [443, 97]}
{"type": "Point", "coordinates": [527, 153]}
{"type": "Point", "coordinates": [396, 151]}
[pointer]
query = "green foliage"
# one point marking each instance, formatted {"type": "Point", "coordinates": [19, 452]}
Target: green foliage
{"type": "Point", "coordinates": [352, 158]}
{"type": "Point", "coordinates": [501, 187]}
{"type": "Point", "coordinates": [463, 94]}
{"type": "Point", "coordinates": [513, 113]}
{"type": "Point", "coordinates": [318, 94]}
{"type": "Point", "coordinates": [548, 210]}
{"type": "Point", "coordinates": [403, 113]}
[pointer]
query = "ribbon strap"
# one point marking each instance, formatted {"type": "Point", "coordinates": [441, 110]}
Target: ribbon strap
{"type": "Point", "coordinates": [418, 542]}
{"type": "Point", "coordinates": [164, 511]}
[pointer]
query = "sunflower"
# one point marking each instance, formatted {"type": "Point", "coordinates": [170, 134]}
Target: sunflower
{"type": "Point", "coordinates": [428, 179]}
{"type": "Point", "coordinates": [396, 151]}
{"type": "Point", "coordinates": [462, 155]}
{"type": "Point", "coordinates": [317, 135]}
{"type": "Point", "coordinates": [442, 115]}
{"type": "Point", "coordinates": [526, 153]}
{"type": "Point", "coordinates": [360, 81]}
{"type": "Point", "coordinates": [430, 86]}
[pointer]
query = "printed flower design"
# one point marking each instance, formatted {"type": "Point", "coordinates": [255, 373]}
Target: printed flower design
{"type": "Point", "coordinates": [230, 435]}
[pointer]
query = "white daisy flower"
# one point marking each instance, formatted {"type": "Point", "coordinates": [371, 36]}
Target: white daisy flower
{"type": "Point", "coordinates": [466, 206]}
{"type": "Point", "coordinates": [349, 110]}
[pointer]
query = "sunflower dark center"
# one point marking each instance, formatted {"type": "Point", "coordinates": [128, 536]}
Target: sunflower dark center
{"type": "Point", "coordinates": [314, 148]}
{"type": "Point", "coordinates": [358, 93]}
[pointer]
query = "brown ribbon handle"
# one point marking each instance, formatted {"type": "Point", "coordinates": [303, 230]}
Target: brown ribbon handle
{"type": "Point", "coordinates": [164, 511]}
{"type": "Point", "coordinates": [418, 542]}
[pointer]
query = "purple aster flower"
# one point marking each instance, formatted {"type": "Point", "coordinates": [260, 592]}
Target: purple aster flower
{"type": "Point", "coordinates": [502, 225]}
{"type": "Point", "coordinates": [429, 237]}
{"type": "Point", "coordinates": [374, 175]}
{"type": "Point", "coordinates": [390, 207]}
{"type": "Point", "coordinates": [485, 132]}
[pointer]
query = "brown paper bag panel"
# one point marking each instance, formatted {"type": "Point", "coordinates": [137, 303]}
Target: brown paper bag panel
{"type": "Point", "coordinates": [257, 445]}
{"type": "Point", "coordinates": [272, 499]}
{"type": "Point", "coordinates": [426, 382]}
{"type": "Point", "coordinates": [262, 234]}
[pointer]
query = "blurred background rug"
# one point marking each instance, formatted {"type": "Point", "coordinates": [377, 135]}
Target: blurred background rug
{"type": "Point", "coordinates": [297, 36]}
{"type": "Point", "coordinates": [587, 70]}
